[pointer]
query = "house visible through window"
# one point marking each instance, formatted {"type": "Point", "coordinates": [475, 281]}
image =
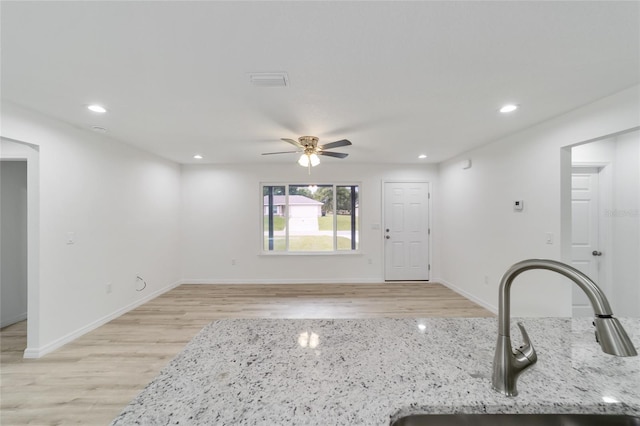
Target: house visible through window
{"type": "Point", "coordinates": [310, 218]}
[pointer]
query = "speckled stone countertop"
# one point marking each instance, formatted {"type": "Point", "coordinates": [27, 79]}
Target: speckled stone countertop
{"type": "Point", "coordinates": [372, 371]}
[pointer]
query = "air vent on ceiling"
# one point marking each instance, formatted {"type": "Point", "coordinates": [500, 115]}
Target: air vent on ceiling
{"type": "Point", "coordinates": [269, 79]}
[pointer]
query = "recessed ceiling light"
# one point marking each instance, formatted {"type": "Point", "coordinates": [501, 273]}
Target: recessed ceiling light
{"type": "Point", "coordinates": [198, 157]}
{"type": "Point", "coordinates": [422, 156]}
{"type": "Point", "coordinates": [508, 108]}
{"type": "Point", "coordinates": [97, 108]}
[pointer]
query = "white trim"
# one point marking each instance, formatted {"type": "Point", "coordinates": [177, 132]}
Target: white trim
{"type": "Point", "coordinates": [342, 252]}
{"type": "Point", "coordinates": [590, 165]}
{"type": "Point", "coordinates": [467, 295]}
{"type": "Point", "coordinates": [217, 281]}
{"type": "Point", "coordinates": [43, 350]}
{"type": "Point", "coordinates": [17, 318]}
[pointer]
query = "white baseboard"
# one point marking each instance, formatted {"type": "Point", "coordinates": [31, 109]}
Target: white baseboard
{"type": "Point", "coordinates": [468, 295]}
{"type": "Point", "coordinates": [13, 320]}
{"type": "Point", "coordinates": [50, 347]}
{"type": "Point", "coordinates": [214, 281]}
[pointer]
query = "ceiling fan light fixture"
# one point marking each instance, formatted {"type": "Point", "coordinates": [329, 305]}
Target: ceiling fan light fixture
{"type": "Point", "coordinates": [311, 151]}
{"type": "Point", "coordinates": [309, 159]}
{"type": "Point", "coordinates": [304, 160]}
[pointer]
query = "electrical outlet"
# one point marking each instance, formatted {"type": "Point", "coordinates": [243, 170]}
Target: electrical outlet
{"type": "Point", "coordinates": [233, 262]}
{"type": "Point", "coordinates": [370, 261]}
{"type": "Point", "coordinates": [486, 280]}
{"type": "Point", "coordinates": [109, 288]}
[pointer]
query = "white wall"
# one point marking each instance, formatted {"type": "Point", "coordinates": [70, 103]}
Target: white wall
{"type": "Point", "coordinates": [123, 206]}
{"type": "Point", "coordinates": [482, 235]}
{"type": "Point", "coordinates": [600, 152]}
{"type": "Point", "coordinates": [13, 250]}
{"type": "Point", "coordinates": [222, 217]}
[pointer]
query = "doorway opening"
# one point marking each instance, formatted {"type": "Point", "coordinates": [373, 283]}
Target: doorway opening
{"type": "Point", "coordinates": [27, 155]}
{"type": "Point", "coordinates": [13, 249]}
{"type": "Point", "coordinates": [605, 219]}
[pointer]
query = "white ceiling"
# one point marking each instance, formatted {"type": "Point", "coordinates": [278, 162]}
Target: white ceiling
{"type": "Point", "coordinates": [396, 78]}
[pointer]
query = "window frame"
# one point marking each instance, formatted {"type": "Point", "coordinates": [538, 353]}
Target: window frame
{"type": "Point", "coordinates": [335, 251]}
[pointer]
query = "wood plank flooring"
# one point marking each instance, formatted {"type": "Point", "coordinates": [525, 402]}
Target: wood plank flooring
{"type": "Point", "coordinates": [90, 380]}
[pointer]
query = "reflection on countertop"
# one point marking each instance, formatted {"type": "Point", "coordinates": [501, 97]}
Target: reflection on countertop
{"type": "Point", "coordinates": [371, 371]}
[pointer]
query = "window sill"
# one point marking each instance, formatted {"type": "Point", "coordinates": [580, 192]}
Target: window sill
{"type": "Point", "coordinates": [312, 253]}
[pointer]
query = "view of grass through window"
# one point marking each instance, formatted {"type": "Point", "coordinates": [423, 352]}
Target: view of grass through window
{"type": "Point", "coordinates": [310, 218]}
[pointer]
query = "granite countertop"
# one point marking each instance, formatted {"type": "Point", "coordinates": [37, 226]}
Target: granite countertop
{"type": "Point", "coordinates": [372, 371]}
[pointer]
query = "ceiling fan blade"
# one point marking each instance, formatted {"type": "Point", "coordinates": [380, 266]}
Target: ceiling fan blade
{"type": "Point", "coordinates": [281, 152]}
{"type": "Point", "coordinates": [333, 154]}
{"type": "Point", "coordinates": [336, 144]}
{"type": "Point", "coordinates": [292, 142]}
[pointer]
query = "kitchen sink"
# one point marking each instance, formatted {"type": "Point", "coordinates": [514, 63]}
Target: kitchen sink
{"type": "Point", "coordinates": [517, 419]}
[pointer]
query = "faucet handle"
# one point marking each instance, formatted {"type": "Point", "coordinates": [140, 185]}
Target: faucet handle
{"type": "Point", "coordinates": [527, 348]}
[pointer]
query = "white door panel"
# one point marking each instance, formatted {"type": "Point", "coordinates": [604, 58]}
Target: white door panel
{"type": "Point", "coordinates": [584, 233]}
{"type": "Point", "coordinates": [406, 217]}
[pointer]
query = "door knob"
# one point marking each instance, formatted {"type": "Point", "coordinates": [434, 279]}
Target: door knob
{"type": "Point", "coordinates": [596, 253]}
{"type": "Point", "coordinates": [387, 237]}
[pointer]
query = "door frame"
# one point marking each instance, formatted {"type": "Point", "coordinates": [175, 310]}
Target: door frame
{"type": "Point", "coordinates": [605, 200]}
{"type": "Point", "coordinates": [429, 224]}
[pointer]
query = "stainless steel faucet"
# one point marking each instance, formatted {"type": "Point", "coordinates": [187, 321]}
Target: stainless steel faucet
{"type": "Point", "coordinates": [508, 363]}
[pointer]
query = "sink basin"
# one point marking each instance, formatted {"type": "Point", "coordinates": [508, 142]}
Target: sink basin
{"type": "Point", "coordinates": [517, 419]}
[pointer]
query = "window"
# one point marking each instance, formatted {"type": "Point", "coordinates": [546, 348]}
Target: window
{"type": "Point", "coordinates": [301, 218]}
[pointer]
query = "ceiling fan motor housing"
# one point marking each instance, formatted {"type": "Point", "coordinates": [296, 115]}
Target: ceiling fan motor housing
{"type": "Point", "coordinates": [308, 140]}
{"type": "Point", "coordinates": [310, 144]}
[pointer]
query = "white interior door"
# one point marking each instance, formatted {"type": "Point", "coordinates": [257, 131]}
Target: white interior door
{"type": "Point", "coordinates": [585, 244]}
{"type": "Point", "coordinates": [406, 230]}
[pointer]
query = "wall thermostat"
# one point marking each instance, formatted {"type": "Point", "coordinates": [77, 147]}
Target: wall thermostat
{"type": "Point", "coordinates": [518, 206]}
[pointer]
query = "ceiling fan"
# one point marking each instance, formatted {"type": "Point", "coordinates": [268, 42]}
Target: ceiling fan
{"type": "Point", "coordinates": [310, 150]}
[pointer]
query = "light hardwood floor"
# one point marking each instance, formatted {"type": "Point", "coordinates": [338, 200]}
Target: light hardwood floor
{"type": "Point", "coordinates": [90, 380]}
